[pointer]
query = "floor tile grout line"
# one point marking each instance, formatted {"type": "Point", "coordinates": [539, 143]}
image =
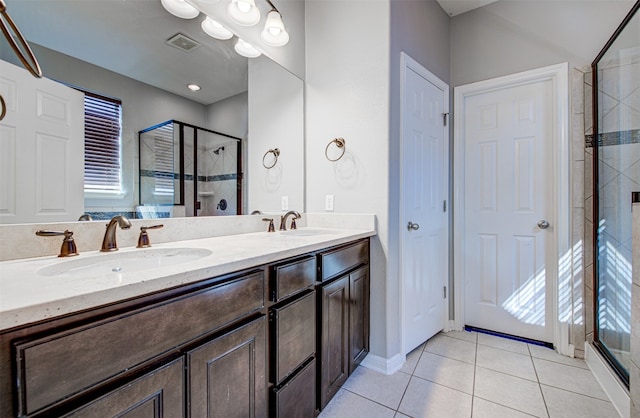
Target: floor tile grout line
{"type": "Point", "coordinates": [370, 400]}
{"type": "Point", "coordinates": [473, 388]}
{"type": "Point", "coordinates": [509, 374]}
{"type": "Point", "coordinates": [574, 392]}
{"type": "Point", "coordinates": [535, 370]}
{"type": "Point", "coordinates": [505, 406]}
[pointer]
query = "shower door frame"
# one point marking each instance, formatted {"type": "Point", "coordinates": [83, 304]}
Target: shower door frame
{"type": "Point", "coordinates": [181, 132]}
{"type": "Point", "coordinates": [615, 365]}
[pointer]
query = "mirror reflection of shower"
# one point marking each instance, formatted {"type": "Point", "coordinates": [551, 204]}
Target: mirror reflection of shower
{"type": "Point", "coordinates": [186, 170]}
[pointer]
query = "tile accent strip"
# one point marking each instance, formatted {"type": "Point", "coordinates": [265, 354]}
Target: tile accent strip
{"type": "Point", "coordinates": [614, 138]}
{"type": "Point", "coordinates": [188, 177]}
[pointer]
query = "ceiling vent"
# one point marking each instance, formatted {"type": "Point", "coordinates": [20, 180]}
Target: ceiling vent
{"type": "Point", "coordinates": [183, 42]}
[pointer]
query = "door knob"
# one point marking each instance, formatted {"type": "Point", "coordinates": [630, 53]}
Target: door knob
{"type": "Point", "coordinates": [543, 224]}
{"type": "Point", "coordinates": [412, 227]}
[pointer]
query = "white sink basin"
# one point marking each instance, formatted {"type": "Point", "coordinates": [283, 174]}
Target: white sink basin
{"type": "Point", "coordinates": [309, 232]}
{"type": "Point", "coordinates": [126, 262]}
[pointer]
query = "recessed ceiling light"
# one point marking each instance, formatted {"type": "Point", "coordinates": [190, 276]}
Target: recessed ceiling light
{"type": "Point", "coordinates": [193, 87]}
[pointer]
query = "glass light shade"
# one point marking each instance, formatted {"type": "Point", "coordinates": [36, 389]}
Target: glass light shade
{"type": "Point", "coordinates": [243, 12]}
{"type": "Point", "coordinates": [246, 50]}
{"type": "Point", "coordinates": [180, 8]}
{"type": "Point", "coordinates": [193, 87]}
{"type": "Point", "coordinates": [215, 29]}
{"type": "Point", "coordinates": [274, 33]}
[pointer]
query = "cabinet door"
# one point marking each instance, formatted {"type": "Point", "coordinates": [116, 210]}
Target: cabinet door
{"type": "Point", "coordinates": [358, 317]}
{"type": "Point", "coordinates": [154, 395]}
{"type": "Point", "coordinates": [334, 361]}
{"type": "Point", "coordinates": [227, 376]}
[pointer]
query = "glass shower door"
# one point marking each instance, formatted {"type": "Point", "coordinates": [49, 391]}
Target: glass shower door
{"type": "Point", "coordinates": [618, 175]}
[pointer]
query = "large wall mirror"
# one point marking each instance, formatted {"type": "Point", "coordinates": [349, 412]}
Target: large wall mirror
{"type": "Point", "coordinates": [128, 50]}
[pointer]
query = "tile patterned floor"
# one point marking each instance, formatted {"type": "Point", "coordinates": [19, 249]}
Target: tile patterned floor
{"type": "Point", "coordinates": [465, 374]}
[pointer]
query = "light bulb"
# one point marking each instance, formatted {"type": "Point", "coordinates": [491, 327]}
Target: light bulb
{"type": "Point", "coordinates": [243, 12]}
{"type": "Point", "coordinates": [215, 29]}
{"type": "Point", "coordinates": [274, 33]}
{"type": "Point", "coordinates": [246, 49]}
{"type": "Point", "coordinates": [244, 6]}
{"type": "Point", "coordinates": [180, 8]}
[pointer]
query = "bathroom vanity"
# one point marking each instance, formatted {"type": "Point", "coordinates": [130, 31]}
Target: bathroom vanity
{"type": "Point", "coordinates": [272, 333]}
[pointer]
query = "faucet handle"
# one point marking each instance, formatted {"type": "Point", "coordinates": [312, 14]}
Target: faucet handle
{"type": "Point", "coordinates": [143, 239]}
{"type": "Point", "coordinates": [271, 227]}
{"type": "Point", "coordinates": [293, 223]}
{"type": "Point", "coordinates": [68, 248]}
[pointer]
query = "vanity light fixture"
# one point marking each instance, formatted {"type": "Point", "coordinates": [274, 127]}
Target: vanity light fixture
{"type": "Point", "coordinates": [243, 12]}
{"type": "Point", "coordinates": [180, 8]}
{"type": "Point", "coordinates": [215, 29]}
{"type": "Point", "coordinates": [193, 87]}
{"type": "Point", "coordinates": [246, 49]}
{"type": "Point", "coordinates": [274, 33]}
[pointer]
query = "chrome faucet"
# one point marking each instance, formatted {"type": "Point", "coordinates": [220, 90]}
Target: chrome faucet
{"type": "Point", "coordinates": [283, 220]}
{"type": "Point", "coordinates": [109, 240]}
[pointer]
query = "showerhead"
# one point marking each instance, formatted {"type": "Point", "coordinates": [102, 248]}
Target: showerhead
{"type": "Point", "coordinates": [217, 150]}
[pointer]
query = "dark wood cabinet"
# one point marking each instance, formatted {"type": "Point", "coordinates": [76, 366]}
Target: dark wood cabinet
{"type": "Point", "coordinates": [343, 301]}
{"type": "Point", "coordinates": [275, 340]}
{"type": "Point", "coordinates": [159, 394]}
{"type": "Point", "coordinates": [292, 322]}
{"type": "Point", "coordinates": [358, 317]}
{"type": "Point", "coordinates": [227, 376]}
{"type": "Point", "coordinates": [296, 398]}
{"type": "Point", "coordinates": [334, 355]}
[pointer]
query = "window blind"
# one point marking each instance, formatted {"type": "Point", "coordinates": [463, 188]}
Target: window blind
{"type": "Point", "coordinates": [163, 152]}
{"type": "Point", "coordinates": [102, 127]}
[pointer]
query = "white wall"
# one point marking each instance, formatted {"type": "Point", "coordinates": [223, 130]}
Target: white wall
{"type": "Point", "coordinates": [512, 36]}
{"type": "Point", "coordinates": [347, 95]}
{"type": "Point", "coordinates": [275, 121]}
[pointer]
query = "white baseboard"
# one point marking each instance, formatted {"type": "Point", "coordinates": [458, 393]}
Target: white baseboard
{"type": "Point", "coordinates": [615, 390]}
{"type": "Point", "coordinates": [384, 365]}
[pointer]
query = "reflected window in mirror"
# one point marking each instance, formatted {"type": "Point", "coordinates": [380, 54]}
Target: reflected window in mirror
{"type": "Point", "coordinates": [102, 144]}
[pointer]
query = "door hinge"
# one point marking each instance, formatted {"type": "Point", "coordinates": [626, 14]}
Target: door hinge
{"type": "Point", "coordinates": [444, 119]}
{"type": "Point", "coordinates": [444, 205]}
{"type": "Point", "coordinates": [444, 292]}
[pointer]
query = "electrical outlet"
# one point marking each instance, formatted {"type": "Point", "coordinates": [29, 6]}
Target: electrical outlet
{"type": "Point", "coordinates": [328, 203]}
{"type": "Point", "coordinates": [284, 202]}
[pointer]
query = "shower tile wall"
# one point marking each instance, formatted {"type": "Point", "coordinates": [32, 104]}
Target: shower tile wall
{"type": "Point", "coordinates": [217, 177]}
{"type": "Point", "coordinates": [578, 328]}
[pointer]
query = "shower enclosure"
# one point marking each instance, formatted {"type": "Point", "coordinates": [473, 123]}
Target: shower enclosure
{"type": "Point", "coordinates": [616, 167]}
{"type": "Point", "coordinates": [186, 170]}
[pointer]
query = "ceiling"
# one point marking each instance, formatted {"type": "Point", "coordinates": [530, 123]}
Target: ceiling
{"type": "Point", "coordinates": [128, 37]}
{"type": "Point", "coordinates": [456, 7]}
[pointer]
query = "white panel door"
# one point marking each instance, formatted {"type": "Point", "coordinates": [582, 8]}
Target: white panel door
{"type": "Point", "coordinates": [424, 220]}
{"type": "Point", "coordinates": [508, 195]}
{"type": "Point", "coordinates": [41, 149]}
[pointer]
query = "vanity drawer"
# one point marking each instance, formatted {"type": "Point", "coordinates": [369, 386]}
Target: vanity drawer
{"type": "Point", "coordinates": [55, 367]}
{"type": "Point", "coordinates": [290, 278]}
{"type": "Point", "coordinates": [343, 259]}
{"type": "Point", "coordinates": [297, 398]}
{"type": "Point", "coordinates": [293, 329]}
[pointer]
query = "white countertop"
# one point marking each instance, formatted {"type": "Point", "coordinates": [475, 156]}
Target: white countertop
{"type": "Point", "coordinates": [27, 296]}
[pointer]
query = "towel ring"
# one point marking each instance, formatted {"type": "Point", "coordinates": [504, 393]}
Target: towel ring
{"type": "Point", "coordinates": [276, 154]}
{"type": "Point", "coordinates": [3, 108]}
{"type": "Point", "coordinates": [340, 143]}
{"type": "Point", "coordinates": [33, 66]}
